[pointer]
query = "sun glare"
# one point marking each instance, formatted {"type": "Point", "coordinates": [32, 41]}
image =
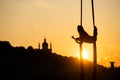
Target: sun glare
{"type": "Point", "coordinates": [84, 55]}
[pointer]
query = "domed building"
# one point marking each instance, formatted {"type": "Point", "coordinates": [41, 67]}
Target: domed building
{"type": "Point", "coordinates": [45, 48]}
{"type": "Point", "coordinates": [44, 45]}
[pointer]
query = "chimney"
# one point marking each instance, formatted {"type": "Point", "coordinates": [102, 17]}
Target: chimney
{"type": "Point", "coordinates": [112, 65]}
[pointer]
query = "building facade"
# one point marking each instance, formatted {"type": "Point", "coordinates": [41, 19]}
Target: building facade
{"type": "Point", "coordinates": [45, 47]}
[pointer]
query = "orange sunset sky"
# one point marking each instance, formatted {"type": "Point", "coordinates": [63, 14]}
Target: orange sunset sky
{"type": "Point", "coordinates": [26, 22]}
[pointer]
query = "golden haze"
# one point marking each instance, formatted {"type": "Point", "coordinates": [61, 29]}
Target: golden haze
{"type": "Point", "coordinates": [26, 22]}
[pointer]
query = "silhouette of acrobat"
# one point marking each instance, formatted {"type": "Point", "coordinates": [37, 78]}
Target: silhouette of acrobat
{"type": "Point", "coordinates": [84, 36]}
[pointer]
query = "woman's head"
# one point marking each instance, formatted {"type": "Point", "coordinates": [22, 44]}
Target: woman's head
{"type": "Point", "coordinates": [80, 28]}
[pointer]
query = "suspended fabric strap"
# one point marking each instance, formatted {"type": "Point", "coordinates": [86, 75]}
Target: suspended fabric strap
{"type": "Point", "coordinates": [94, 45]}
{"type": "Point", "coordinates": [81, 14]}
{"type": "Point", "coordinates": [82, 77]}
{"type": "Point", "coordinates": [93, 17]}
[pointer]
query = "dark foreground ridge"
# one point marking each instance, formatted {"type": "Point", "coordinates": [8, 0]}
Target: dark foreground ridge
{"type": "Point", "coordinates": [18, 63]}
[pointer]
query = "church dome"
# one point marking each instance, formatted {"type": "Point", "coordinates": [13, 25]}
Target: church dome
{"type": "Point", "coordinates": [45, 44]}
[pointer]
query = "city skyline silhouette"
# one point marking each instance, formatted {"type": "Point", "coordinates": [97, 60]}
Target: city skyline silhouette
{"type": "Point", "coordinates": [28, 64]}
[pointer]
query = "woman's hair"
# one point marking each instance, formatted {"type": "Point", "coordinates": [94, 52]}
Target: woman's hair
{"type": "Point", "coordinates": [80, 28]}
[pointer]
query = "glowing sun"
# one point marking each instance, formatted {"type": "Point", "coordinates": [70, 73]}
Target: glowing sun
{"type": "Point", "coordinates": [85, 54]}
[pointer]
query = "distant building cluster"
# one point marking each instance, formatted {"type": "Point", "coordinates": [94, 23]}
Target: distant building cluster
{"type": "Point", "coordinates": [45, 48]}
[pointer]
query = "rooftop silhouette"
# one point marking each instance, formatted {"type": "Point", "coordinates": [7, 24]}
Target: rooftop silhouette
{"type": "Point", "coordinates": [34, 64]}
